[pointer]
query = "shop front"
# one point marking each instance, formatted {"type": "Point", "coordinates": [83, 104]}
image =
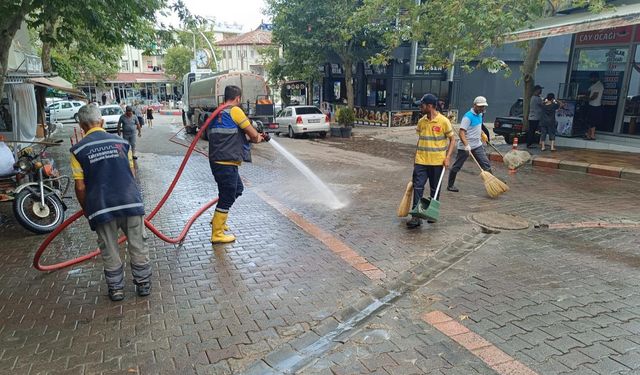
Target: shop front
{"type": "Point", "coordinates": [613, 56]}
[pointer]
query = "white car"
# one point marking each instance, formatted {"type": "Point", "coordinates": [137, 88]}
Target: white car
{"type": "Point", "coordinates": [64, 110]}
{"type": "Point", "coordinates": [301, 119]}
{"type": "Point", "coordinates": [111, 115]}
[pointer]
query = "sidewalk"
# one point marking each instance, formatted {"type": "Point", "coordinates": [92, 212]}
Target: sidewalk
{"type": "Point", "coordinates": [616, 164]}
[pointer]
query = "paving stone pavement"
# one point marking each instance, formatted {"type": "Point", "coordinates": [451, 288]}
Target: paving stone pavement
{"type": "Point", "coordinates": [559, 301]}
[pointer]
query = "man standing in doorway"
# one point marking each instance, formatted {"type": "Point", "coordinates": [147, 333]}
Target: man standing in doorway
{"type": "Point", "coordinates": [471, 138]}
{"type": "Point", "coordinates": [535, 114]}
{"type": "Point", "coordinates": [435, 147]}
{"type": "Point", "coordinates": [227, 150]}
{"type": "Point", "coordinates": [594, 110]}
{"type": "Point", "coordinates": [106, 189]}
{"type": "Point", "coordinates": [127, 126]}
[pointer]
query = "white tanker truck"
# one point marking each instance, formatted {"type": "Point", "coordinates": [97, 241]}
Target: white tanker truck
{"type": "Point", "coordinates": [202, 95]}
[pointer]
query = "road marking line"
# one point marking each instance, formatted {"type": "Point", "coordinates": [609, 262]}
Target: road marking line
{"type": "Point", "coordinates": [338, 247]}
{"type": "Point", "coordinates": [495, 358]}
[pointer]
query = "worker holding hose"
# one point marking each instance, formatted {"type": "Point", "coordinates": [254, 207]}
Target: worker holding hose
{"type": "Point", "coordinates": [228, 148]}
{"type": "Point", "coordinates": [106, 189]}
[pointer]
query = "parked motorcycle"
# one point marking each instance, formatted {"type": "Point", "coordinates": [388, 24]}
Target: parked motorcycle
{"type": "Point", "coordinates": [39, 188]}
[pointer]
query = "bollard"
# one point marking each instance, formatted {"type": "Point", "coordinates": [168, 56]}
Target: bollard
{"type": "Point", "coordinates": [514, 147]}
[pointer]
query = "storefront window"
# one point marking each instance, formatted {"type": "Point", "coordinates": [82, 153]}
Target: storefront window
{"type": "Point", "coordinates": [632, 103]}
{"type": "Point", "coordinates": [6, 123]}
{"type": "Point", "coordinates": [413, 90]}
{"type": "Point", "coordinates": [609, 63]}
{"type": "Point", "coordinates": [376, 92]}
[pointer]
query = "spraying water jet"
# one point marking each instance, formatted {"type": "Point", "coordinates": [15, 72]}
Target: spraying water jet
{"type": "Point", "coordinates": [329, 198]}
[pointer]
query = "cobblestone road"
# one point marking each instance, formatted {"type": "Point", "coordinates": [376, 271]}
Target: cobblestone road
{"type": "Point", "coordinates": [280, 300]}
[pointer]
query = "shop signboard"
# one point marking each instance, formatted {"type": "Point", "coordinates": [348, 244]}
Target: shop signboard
{"type": "Point", "coordinates": [617, 35]}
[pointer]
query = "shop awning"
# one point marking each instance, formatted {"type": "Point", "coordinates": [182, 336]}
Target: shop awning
{"type": "Point", "coordinates": [57, 83]}
{"type": "Point", "coordinates": [562, 24]}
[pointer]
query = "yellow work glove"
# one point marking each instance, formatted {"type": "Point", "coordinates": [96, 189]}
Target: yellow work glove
{"type": "Point", "coordinates": [484, 137]}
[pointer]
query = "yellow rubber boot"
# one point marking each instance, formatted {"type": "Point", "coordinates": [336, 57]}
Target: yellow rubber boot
{"type": "Point", "coordinates": [217, 232]}
{"type": "Point", "coordinates": [226, 227]}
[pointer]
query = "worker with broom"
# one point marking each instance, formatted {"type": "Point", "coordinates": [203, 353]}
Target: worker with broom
{"type": "Point", "coordinates": [471, 139]}
{"type": "Point", "coordinates": [435, 147]}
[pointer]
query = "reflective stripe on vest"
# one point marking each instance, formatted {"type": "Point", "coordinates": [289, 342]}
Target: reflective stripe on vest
{"type": "Point", "coordinates": [432, 149]}
{"type": "Point", "coordinates": [113, 209]}
{"type": "Point", "coordinates": [88, 144]}
{"type": "Point", "coordinates": [433, 138]}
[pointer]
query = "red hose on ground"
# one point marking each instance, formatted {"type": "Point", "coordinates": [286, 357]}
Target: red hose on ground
{"type": "Point", "coordinates": [147, 221]}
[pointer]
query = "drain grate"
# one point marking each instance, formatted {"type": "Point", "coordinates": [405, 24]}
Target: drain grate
{"type": "Point", "coordinates": [496, 220]}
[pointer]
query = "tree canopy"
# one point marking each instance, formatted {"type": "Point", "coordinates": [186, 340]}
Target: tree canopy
{"type": "Point", "coordinates": [311, 32]}
{"type": "Point", "coordinates": [63, 23]}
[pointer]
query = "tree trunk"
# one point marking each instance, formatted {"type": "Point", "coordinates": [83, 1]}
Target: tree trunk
{"type": "Point", "coordinates": [529, 67]}
{"type": "Point", "coordinates": [348, 78]}
{"type": "Point", "coordinates": [48, 30]}
{"type": "Point", "coordinates": [10, 25]}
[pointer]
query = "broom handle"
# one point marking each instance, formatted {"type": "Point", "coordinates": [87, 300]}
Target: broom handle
{"type": "Point", "coordinates": [495, 148]}
{"type": "Point", "coordinates": [440, 181]}
{"type": "Point", "coordinates": [474, 159]}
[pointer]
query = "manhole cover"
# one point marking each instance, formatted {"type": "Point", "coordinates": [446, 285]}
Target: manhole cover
{"type": "Point", "coordinates": [497, 220]}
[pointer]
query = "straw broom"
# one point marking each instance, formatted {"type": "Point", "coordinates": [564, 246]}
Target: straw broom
{"type": "Point", "coordinates": [492, 184]}
{"type": "Point", "coordinates": [405, 203]}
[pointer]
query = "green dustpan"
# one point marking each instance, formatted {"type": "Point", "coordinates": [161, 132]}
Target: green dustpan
{"type": "Point", "coordinates": [429, 208]}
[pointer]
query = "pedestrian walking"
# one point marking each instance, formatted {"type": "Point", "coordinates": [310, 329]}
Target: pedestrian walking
{"type": "Point", "coordinates": [434, 150]}
{"type": "Point", "coordinates": [471, 139]}
{"type": "Point", "coordinates": [150, 117]}
{"type": "Point", "coordinates": [137, 109]}
{"type": "Point", "coordinates": [105, 186]}
{"type": "Point", "coordinates": [548, 123]}
{"type": "Point", "coordinates": [594, 109]}
{"type": "Point", "coordinates": [127, 126]}
{"type": "Point", "coordinates": [535, 112]}
{"type": "Point", "coordinates": [228, 148]}
{"type": "Point", "coordinates": [104, 98]}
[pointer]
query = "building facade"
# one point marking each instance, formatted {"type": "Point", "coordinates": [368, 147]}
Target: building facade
{"type": "Point", "coordinates": [243, 52]}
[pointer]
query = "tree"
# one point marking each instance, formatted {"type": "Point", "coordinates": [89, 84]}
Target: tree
{"type": "Point", "coordinates": [312, 31]}
{"type": "Point", "coordinates": [466, 31]}
{"type": "Point", "coordinates": [111, 22]}
{"type": "Point", "coordinates": [177, 61]}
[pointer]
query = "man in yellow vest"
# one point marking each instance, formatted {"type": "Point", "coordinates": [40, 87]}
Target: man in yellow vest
{"type": "Point", "coordinates": [436, 143]}
{"type": "Point", "coordinates": [228, 148]}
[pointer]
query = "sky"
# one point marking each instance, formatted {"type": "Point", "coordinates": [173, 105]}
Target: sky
{"type": "Point", "coordinates": [247, 13]}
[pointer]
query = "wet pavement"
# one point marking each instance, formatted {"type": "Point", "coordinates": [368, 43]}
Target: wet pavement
{"type": "Point", "coordinates": [295, 292]}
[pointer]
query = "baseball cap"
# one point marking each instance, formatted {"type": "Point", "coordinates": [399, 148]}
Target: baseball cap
{"type": "Point", "coordinates": [537, 87]}
{"type": "Point", "coordinates": [429, 99]}
{"type": "Point", "coordinates": [480, 101]}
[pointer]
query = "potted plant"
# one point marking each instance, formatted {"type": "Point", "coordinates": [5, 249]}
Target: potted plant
{"type": "Point", "coordinates": [345, 118]}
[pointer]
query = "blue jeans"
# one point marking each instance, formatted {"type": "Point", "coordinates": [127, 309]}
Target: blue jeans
{"type": "Point", "coordinates": [229, 185]}
{"type": "Point", "coordinates": [422, 174]}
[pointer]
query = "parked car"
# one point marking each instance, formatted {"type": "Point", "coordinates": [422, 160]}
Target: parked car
{"type": "Point", "coordinates": [111, 114]}
{"type": "Point", "coordinates": [64, 110]}
{"type": "Point", "coordinates": [301, 119]}
{"type": "Point", "coordinates": [512, 126]}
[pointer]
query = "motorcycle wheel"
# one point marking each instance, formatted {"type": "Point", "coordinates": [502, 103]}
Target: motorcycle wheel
{"type": "Point", "coordinates": [46, 220]}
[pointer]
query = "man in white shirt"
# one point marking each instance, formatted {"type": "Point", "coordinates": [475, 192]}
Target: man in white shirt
{"type": "Point", "coordinates": [594, 110]}
{"type": "Point", "coordinates": [535, 114]}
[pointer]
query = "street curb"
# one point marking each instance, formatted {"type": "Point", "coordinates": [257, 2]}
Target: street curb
{"type": "Point", "coordinates": [630, 174]}
{"type": "Point", "coordinates": [545, 162]}
{"type": "Point", "coordinates": [577, 166]}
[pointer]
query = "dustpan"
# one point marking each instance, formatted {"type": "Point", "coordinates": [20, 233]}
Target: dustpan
{"type": "Point", "coordinates": [429, 208]}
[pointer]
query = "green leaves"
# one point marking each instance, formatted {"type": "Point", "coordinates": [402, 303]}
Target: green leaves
{"type": "Point", "coordinates": [177, 61]}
